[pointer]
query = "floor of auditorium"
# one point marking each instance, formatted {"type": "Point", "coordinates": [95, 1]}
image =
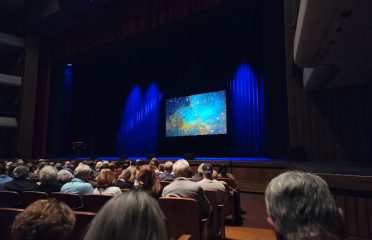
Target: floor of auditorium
{"type": "Point", "coordinates": [254, 224]}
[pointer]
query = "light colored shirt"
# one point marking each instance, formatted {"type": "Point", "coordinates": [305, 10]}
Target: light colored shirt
{"type": "Point", "coordinates": [214, 185]}
{"type": "Point", "coordinates": [112, 191]}
{"type": "Point", "coordinates": [77, 186]}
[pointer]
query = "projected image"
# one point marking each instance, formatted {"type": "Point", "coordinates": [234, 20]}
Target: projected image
{"type": "Point", "coordinates": [201, 114]}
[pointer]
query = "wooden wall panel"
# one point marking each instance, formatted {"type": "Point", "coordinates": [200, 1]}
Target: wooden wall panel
{"type": "Point", "coordinates": [331, 124]}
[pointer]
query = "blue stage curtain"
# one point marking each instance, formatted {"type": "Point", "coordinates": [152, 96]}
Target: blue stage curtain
{"type": "Point", "coordinates": [247, 112]}
{"type": "Point", "coordinates": [139, 126]}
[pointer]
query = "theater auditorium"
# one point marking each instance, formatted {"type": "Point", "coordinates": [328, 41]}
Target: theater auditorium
{"type": "Point", "coordinates": [185, 119]}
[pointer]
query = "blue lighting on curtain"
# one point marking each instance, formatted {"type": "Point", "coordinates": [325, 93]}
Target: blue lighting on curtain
{"type": "Point", "coordinates": [247, 112]}
{"type": "Point", "coordinates": [67, 77]}
{"type": "Point", "coordinates": [139, 125]}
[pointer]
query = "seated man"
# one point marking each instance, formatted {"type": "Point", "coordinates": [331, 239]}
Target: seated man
{"type": "Point", "coordinates": [79, 184]}
{"type": "Point", "coordinates": [300, 206]}
{"type": "Point", "coordinates": [183, 187]}
{"type": "Point", "coordinates": [19, 182]}
{"type": "Point", "coordinates": [208, 183]}
{"type": "Point", "coordinates": [167, 175]}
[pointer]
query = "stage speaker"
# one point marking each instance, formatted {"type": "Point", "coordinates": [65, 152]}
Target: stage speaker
{"type": "Point", "coordinates": [296, 154]}
{"type": "Point", "coordinates": [188, 156]}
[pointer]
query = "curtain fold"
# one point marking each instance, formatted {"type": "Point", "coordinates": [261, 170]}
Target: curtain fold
{"type": "Point", "coordinates": [107, 30]}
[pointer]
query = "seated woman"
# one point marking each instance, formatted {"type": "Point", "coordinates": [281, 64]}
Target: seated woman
{"type": "Point", "coordinates": [148, 181]}
{"type": "Point", "coordinates": [106, 183]}
{"type": "Point", "coordinates": [124, 181]}
{"type": "Point", "coordinates": [139, 217]}
{"type": "Point", "coordinates": [44, 220]}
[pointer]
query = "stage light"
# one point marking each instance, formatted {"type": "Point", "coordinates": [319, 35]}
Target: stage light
{"type": "Point", "coordinates": [69, 64]}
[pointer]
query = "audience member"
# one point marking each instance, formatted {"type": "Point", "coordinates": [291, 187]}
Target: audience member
{"type": "Point", "coordinates": [137, 217]}
{"type": "Point", "coordinates": [208, 183]}
{"type": "Point", "coordinates": [4, 178]}
{"type": "Point", "coordinates": [222, 173]}
{"type": "Point", "coordinates": [79, 184]}
{"type": "Point", "coordinates": [68, 166]}
{"type": "Point", "coordinates": [105, 183]}
{"type": "Point", "coordinates": [48, 180]}
{"type": "Point", "coordinates": [148, 182]}
{"type": "Point", "coordinates": [154, 164]}
{"type": "Point", "coordinates": [167, 175]}
{"type": "Point", "coordinates": [44, 220]}
{"type": "Point", "coordinates": [124, 181]}
{"type": "Point", "coordinates": [300, 206]}
{"type": "Point", "coordinates": [19, 182]}
{"type": "Point", "coordinates": [199, 175]}
{"type": "Point", "coordinates": [64, 176]}
{"type": "Point", "coordinates": [183, 187]}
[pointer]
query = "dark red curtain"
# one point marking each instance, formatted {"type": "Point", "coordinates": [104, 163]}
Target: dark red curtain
{"type": "Point", "coordinates": [141, 17]}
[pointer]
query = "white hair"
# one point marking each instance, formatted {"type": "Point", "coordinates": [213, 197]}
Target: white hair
{"type": "Point", "coordinates": [181, 168]}
{"type": "Point", "coordinates": [64, 176]}
{"type": "Point", "coordinates": [301, 205]}
{"type": "Point", "coordinates": [48, 174]}
{"type": "Point", "coordinates": [82, 169]}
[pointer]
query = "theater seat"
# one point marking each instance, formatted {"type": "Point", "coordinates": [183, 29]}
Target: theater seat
{"type": "Point", "coordinates": [83, 220]}
{"type": "Point", "coordinates": [72, 200]}
{"type": "Point", "coordinates": [216, 199]}
{"type": "Point", "coordinates": [28, 197]}
{"type": "Point", "coordinates": [7, 216]}
{"type": "Point", "coordinates": [183, 217]}
{"type": "Point", "coordinates": [9, 199]}
{"type": "Point", "coordinates": [94, 202]}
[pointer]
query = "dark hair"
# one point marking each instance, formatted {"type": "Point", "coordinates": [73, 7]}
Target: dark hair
{"type": "Point", "coordinates": [43, 220]}
{"type": "Point", "coordinates": [134, 215]}
{"type": "Point", "coordinates": [147, 180]}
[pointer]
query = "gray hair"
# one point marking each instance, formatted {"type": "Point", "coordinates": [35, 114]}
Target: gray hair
{"type": "Point", "coordinates": [48, 174]}
{"type": "Point", "coordinates": [168, 166]}
{"type": "Point", "coordinates": [181, 168]}
{"type": "Point", "coordinates": [137, 217]}
{"type": "Point", "coordinates": [301, 205]}
{"type": "Point", "coordinates": [82, 169]}
{"type": "Point", "coordinates": [64, 176]}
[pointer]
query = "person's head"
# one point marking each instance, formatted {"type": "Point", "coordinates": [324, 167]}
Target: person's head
{"type": "Point", "coordinates": [181, 168]}
{"type": "Point", "coordinates": [207, 171]}
{"type": "Point", "coordinates": [20, 162]}
{"type": "Point", "coordinates": [200, 168]}
{"type": "Point", "coordinates": [105, 178]}
{"type": "Point", "coordinates": [48, 174]}
{"type": "Point", "coordinates": [43, 220]}
{"type": "Point", "coordinates": [64, 176]}
{"type": "Point", "coordinates": [20, 172]}
{"type": "Point", "coordinates": [83, 172]}
{"type": "Point", "coordinates": [168, 167]}
{"type": "Point", "coordinates": [300, 205]}
{"type": "Point", "coordinates": [154, 163]}
{"type": "Point", "coordinates": [137, 217]}
{"type": "Point", "coordinates": [147, 180]}
{"type": "Point", "coordinates": [68, 164]}
{"type": "Point", "coordinates": [125, 175]}
{"type": "Point", "coordinates": [98, 165]}
{"type": "Point", "coordinates": [222, 170]}
{"type": "Point", "coordinates": [161, 167]}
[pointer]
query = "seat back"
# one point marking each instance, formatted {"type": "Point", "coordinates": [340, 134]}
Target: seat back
{"type": "Point", "coordinates": [94, 202]}
{"type": "Point", "coordinates": [212, 198]}
{"type": "Point", "coordinates": [230, 182]}
{"type": "Point", "coordinates": [83, 219]}
{"type": "Point", "coordinates": [7, 216]}
{"type": "Point", "coordinates": [182, 217]}
{"type": "Point", "coordinates": [29, 197]}
{"type": "Point", "coordinates": [72, 200]}
{"type": "Point", "coordinates": [9, 199]}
